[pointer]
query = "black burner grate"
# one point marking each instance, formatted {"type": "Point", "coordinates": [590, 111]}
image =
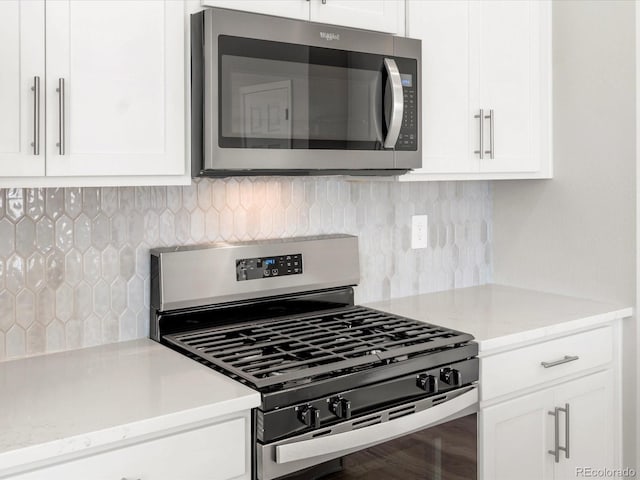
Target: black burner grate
{"type": "Point", "coordinates": [276, 351]}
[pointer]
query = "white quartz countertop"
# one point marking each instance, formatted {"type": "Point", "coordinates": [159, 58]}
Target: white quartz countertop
{"type": "Point", "coordinates": [499, 316]}
{"type": "Point", "coordinates": [61, 403]}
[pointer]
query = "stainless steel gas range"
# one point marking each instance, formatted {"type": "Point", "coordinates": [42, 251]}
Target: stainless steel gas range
{"type": "Point", "coordinates": [334, 378]}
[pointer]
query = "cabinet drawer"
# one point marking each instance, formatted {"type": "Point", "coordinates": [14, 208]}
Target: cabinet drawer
{"type": "Point", "coordinates": [517, 369]}
{"type": "Point", "coordinates": [214, 452]}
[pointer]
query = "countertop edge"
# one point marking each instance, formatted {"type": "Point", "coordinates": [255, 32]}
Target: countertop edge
{"type": "Point", "coordinates": [69, 448]}
{"type": "Point", "coordinates": [493, 345]}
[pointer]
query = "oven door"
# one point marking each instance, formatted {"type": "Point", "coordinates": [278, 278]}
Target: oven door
{"type": "Point", "coordinates": [383, 433]}
{"type": "Point", "coordinates": [275, 100]}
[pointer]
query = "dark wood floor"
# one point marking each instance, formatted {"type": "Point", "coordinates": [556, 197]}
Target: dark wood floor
{"type": "Point", "coordinates": [445, 452]}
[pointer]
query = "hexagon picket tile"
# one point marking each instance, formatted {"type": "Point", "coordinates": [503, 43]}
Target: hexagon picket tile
{"type": "Point", "coordinates": [91, 200]}
{"type": "Point", "coordinates": [7, 310]}
{"type": "Point", "coordinates": [101, 298]}
{"type": "Point", "coordinates": [15, 342]}
{"type": "Point", "coordinates": [109, 200]}
{"type": "Point", "coordinates": [15, 273]}
{"type": "Point", "coordinates": [64, 302]}
{"type": "Point", "coordinates": [35, 202]}
{"type": "Point", "coordinates": [45, 305]}
{"type": "Point", "coordinates": [35, 271]}
{"type": "Point", "coordinates": [73, 333]}
{"type": "Point", "coordinates": [73, 267]}
{"type": "Point", "coordinates": [55, 336]}
{"type": "Point", "coordinates": [92, 331]}
{"type": "Point", "coordinates": [25, 308]}
{"type": "Point", "coordinates": [15, 206]}
{"type": "Point", "coordinates": [7, 237]}
{"type": "Point", "coordinates": [45, 234]}
{"type": "Point", "coordinates": [73, 201]}
{"type": "Point", "coordinates": [66, 253]}
{"type": "Point", "coordinates": [82, 232]}
{"type": "Point", "coordinates": [36, 339]}
{"type": "Point", "coordinates": [25, 237]}
{"type": "Point", "coordinates": [64, 233]}
{"type": "Point", "coordinates": [54, 203]}
{"type": "Point", "coordinates": [91, 265]}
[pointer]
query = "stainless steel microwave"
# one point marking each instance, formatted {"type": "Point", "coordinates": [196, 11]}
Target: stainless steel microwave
{"type": "Point", "coordinates": [275, 96]}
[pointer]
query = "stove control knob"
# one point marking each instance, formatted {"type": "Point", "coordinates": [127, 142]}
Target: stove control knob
{"type": "Point", "coordinates": [340, 407]}
{"type": "Point", "coordinates": [310, 416]}
{"type": "Point", "coordinates": [428, 383]}
{"type": "Point", "coordinates": [451, 376]}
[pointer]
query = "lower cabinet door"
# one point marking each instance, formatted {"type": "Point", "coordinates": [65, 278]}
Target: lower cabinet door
{"type": "Point", "coordinates": [513, 439]}
{"type": "Point", "coordinates": [589, 430]}
{"type": "Point", "coordinates": [214, 452]}
{"type": "Point", "coordinates": [518, 438]}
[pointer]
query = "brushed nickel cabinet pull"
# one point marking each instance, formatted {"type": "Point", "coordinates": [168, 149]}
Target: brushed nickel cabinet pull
{"type": "Point", "coordinates": [61, 119]}
{"type": "Point", "coordinates": [480, 150]}
{"type": "Point", "coordinates": [491, 151]}
{"type": "Point", "coordinates": [566, 430]}
{"type": "Point", "coordinates": [36, 116]}
{"type": "Point", "coordinates": [556, 435]}
{"type": "Point", "coordinates": [566, 359]}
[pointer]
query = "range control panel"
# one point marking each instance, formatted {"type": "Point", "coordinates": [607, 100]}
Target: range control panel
{"type": "Point", "coordinates": [268, 267]}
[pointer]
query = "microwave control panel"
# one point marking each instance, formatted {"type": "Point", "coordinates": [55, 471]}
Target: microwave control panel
{"type": "Point", "coordinates": [268, 267]}
{"type": "Point", "coordinates": [408, 138]}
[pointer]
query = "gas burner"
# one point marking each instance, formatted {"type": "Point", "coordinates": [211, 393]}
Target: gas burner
{"type": "Point", "coordinates": [283, 350]}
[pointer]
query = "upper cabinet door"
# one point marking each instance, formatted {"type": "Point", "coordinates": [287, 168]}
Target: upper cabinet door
{"type": "Point", "coordinates": [281, 8]}
{"type": "Point", "coordinates": [448, 126]}
{"type": "Point", "coordinates": [380, 15]}
{"type": "Point", "coordinates": [115, 88]}
{"type": "Point", "coordinates": [22, 70]}
{"type": "Point", "coordinates": [514, 60]}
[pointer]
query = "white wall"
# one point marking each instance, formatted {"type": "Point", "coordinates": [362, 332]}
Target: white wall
{"type": "Point", "coordinates": [575, 234]}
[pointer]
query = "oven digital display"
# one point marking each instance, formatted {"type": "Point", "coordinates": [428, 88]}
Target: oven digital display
{"type": "Point", "coordinates": [268, 267]}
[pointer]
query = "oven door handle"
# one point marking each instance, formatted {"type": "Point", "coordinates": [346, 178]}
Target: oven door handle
{"type": "Point", "coordinates": [374, 434]}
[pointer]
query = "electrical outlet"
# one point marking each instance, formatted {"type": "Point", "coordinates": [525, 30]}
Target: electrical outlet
{"type": "Point", "coordinates": [419, 231]}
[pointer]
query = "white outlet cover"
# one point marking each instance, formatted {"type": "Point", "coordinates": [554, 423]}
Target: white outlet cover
{"type": "Point", "coordinates": [419, 231]}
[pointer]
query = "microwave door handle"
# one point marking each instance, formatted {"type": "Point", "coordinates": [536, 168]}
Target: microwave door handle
{"type": "Point", "coordinates": [397, 103]}
{"type": "Point", "coordinates": [378, 433]}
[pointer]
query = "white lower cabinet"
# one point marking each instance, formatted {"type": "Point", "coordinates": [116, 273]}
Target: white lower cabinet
{"type": "Point", "coordinates": [518, 435]}
{"type": "Point", "coordinates": [214, 452]}
{"type": "Point", "coordinates": [556, 395]}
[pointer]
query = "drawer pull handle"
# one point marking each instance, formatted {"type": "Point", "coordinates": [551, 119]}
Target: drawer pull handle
{"type": "Point", "coordinates": [566, 359]}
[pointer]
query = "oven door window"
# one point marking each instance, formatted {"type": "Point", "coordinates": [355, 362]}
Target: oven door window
{"type": "Point", "coordinates": [285, 96]}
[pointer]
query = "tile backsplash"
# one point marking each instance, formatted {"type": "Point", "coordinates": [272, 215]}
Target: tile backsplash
{"type": "Point", "coordinates": [74, 262]}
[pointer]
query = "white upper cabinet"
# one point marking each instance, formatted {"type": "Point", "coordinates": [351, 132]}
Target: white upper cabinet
{"type": "Point", "coordinates": [379, 15]}
{"type": "Point", "coordinates": [92, 93]}
{"type": "Point", "coordinates": [447, 115]}
{"type": "Point", "coordinates": [514, 77]}
{"type": "Point", "coordinates": [486, 95]}
{"type": "Point", "coordinates": [280, 8]}
{"type": "Point", "coordinates": [120, 110]}
{"type": "Point", "coordinates": [22, 75]}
